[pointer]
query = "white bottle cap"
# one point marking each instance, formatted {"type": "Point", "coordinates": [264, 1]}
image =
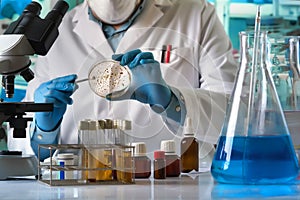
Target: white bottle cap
{"type": "Point", "coordinates": [93, 125]}
{"type": "Point", "coordinates": [126, 125]}
{"type": "Point", "coordinates": [140, 148]}
{"type": "Point", "coordinates": [168, 146]}
{"type": "Point", "coordinates": [188, 127]}
{"type": "Point", "coordinates": [83, 125]}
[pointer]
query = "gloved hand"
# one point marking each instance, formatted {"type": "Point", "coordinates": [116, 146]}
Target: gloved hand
{"type": "Point", "coordinates": [147, 85]}
{"type": "Point", "coordinates": [58, 92]}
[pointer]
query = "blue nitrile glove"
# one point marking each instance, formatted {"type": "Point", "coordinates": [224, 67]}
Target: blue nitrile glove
{"type": "Point", "coordinates": [147, 85]}
{"type": "Point", "coordinates": [10, 7]}
{"type": "Point", "coordinates": [58, 92]}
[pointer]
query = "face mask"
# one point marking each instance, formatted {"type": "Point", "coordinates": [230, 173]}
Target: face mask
{"type": "Point", "coordinates": [113, 11]}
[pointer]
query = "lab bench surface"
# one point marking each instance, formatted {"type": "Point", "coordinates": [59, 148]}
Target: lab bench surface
{"type": "Point", "coordinates": [194, 186]}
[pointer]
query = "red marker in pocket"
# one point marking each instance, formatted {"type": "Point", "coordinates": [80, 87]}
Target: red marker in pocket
{"type": "Point", "coordinates": [168, 53]}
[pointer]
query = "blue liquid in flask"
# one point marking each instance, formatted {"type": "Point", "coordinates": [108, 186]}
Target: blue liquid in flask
{"type": "Point", "coordinates": [255, 160]}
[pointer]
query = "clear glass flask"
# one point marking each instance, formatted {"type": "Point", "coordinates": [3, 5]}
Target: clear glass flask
{"type": "Point", "coordinates": [255, 146]}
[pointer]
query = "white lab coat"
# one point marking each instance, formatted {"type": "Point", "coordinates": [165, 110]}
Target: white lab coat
{"type": "Point", "coordinates": [201, 55]}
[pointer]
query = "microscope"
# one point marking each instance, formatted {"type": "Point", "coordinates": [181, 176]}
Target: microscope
{"type": "Point", "coordinates": [28, 35]}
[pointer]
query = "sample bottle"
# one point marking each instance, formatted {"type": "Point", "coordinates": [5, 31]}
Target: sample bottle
{"type": "Point", "coordinates": [159, 164]}
{"type": "Point", "coordinates": [142, 162]}
{"type": "Point", "coordinates": [117, 131]}
{"type": "Point", "coordinates": [189, 148]}
{"type": "Point", "coordinates": [126, 127]}
{"type": "Point", "coordinates": [121, 129]}
{"type": "Point", "coordinates": [103, 155]}
{"type": "Point", "coordinates": [255, 145]}
{"type": "Point", "coordinates": [83, 128]}
{"type": "Point", "coordinates": [109, 134]}
{"type": "Point", "coordinates": [124, 165]}
{"type": "Point", "coordinates": [92, 155]}
{"type": "Point", "coordinates": [173, 163]}
{"type": "Point", "coordinates": [128, 168]}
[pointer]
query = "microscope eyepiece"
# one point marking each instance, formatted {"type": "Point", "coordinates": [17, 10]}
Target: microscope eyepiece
{"type": "Point", "coordinates": [61, 7]}
{"type": "Point", "coordinates": [34, 8]}
{"type": "Point", "coordinates": [40, 35]}
{"type": "Point", "coordinates": [20, 26]}
{"type": "Point", "coordinates": [57, 13]}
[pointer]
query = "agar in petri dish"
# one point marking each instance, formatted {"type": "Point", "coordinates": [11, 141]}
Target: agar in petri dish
{"type": "Point", "coordinates": [109, 78]}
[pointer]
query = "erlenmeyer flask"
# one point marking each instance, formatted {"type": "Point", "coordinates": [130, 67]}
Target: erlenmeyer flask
{"type": "Point", "coordinates": [255, 146]}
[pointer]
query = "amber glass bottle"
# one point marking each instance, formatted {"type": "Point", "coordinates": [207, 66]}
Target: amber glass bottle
{"type": "Point", "coordinates": [159, 164]}
{"type": "Point", "coordinates": [189, 148]}
{"type": "Point", "coordinates": [141, 161]}
{"type": "Point", "coordinates": [173, 163]}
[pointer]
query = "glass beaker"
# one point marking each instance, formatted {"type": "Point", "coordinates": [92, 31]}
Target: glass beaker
{"type": "Point", "coordinates": [255, 146]}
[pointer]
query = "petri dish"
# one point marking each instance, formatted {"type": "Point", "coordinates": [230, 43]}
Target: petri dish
{"type": "Point", "coordinates": [109, 79]}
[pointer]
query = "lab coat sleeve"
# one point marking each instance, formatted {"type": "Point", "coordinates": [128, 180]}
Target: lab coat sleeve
{"type": "Point", "coordinates": [217, 67]}
{"type": "Point", "coordinates": [40, 137]}
{"type": "Point", "coordinates": [206, 108]}
{"type": "Point", "coordinates": [175, 112]}
{"type": "Point", "coordinates": [206, 105]}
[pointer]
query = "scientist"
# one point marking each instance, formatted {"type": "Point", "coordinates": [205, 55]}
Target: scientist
{"type": "Point", "coordinates": [180, 59]}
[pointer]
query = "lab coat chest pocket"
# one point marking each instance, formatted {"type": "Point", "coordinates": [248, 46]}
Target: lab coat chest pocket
{"type": "Point", "coordinates": [182, 65]}
{"type": "Point", "coordinates": [177, 55]}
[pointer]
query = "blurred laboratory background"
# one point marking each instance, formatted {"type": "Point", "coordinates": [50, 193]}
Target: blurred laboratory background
{"type": "Point", "coordinates": [280, 17]}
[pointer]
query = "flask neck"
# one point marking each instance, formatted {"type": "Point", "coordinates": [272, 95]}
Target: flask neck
{"type": "Point", "coordinates": [253, 55]}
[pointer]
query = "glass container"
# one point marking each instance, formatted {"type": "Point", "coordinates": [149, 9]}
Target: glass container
{"type": "Point", "coordinates": [142, 162]}
{"type": "Point", "coordinates": [189, 148]}
{"type": "Point", "coordinates": [173, 162]}
{"type": "Point", "coordinates": [159, 165]}
{"type": "Point", "coordinates": [255, 145]}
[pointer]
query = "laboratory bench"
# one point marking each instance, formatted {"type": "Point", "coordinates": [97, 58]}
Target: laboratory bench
{"type": "Point", "coordinates": [187, 186]}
